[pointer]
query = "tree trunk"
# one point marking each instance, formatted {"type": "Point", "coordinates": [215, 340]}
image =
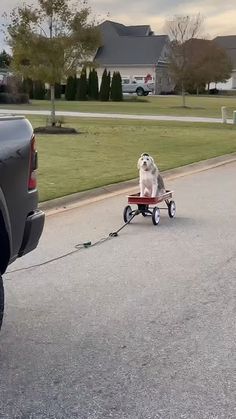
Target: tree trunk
{"type": "Point", "coordinates": [53, 112]}
{"type": "Point", "coordinates": [183, 96]}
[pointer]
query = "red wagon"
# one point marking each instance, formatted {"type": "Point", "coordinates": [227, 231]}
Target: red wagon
{"type": "Point", "coordinates": [148, 206]}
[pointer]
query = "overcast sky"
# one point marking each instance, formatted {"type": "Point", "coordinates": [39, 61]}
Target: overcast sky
{"type": "Point", "coordinates": [219, 15]}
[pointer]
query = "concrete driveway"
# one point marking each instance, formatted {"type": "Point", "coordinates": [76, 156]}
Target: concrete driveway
{"type": "Point", "coordinates": [141, 326]}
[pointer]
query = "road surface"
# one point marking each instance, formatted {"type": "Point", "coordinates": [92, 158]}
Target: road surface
{"type": "Point", "coordinates": [141, 326]}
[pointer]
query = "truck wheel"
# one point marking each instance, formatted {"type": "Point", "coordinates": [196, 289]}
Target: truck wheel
{"type": "Point", "coordinates": [1, 300]}
{"type": "Point", "coordinates": [140, 91]}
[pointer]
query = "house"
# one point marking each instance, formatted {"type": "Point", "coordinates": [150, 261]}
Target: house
{"type": "Point", "coordinates": [4, 74]}
{"type": "Point", "coordinates": [229, 44]}
{"type": "Point", "coordinates": [135, 52]}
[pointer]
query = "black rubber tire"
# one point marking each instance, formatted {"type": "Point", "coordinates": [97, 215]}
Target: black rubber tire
{"type": "Point", "coordinates": [140, 91]}
{"type": "Point", "coordinates": [1, 301]}
{"type": "Point", "coordinates": [156, 216]}
{"type": "Point", "coordinates": [127, 213]}
{"type": "Point", "coordinates": [171, 209]}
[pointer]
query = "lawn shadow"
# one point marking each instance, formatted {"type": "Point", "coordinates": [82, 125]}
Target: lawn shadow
{"type": "Point", "coordinates": [188, 107]}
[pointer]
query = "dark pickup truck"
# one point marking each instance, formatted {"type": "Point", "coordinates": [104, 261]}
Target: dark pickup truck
{"type": "Point", "coordinates": [21, 222]}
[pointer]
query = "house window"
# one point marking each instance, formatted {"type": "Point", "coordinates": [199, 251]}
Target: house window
{"type": "Point", "coordinates": [139, 78]}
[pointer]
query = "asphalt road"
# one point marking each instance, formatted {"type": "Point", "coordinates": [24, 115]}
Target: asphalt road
{"type": "Point", "coordinates": [141, 326]}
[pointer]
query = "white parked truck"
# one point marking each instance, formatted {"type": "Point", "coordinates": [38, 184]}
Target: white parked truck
{"type": "Point", "coordinates": [140, 88]}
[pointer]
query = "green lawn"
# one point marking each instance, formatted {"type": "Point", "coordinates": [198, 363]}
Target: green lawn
{"type": "Point", "coordinates": [206, 106]}
{"type": "Point", "coordinates": [106, 151]}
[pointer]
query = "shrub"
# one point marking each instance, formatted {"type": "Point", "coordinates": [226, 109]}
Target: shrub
{"type": "Point", "coordinates": [93, 85]}
{"type": "Point", "coordinates": [70, 92]}
{"type": "Point", "coordinates": [39, 90]}
{"type": "Point", "coordinates": [82, 88]}
{"type": "Point", "coordinates": [57, 91]}
{"type": "Point", "coordinates": [214, 91]}
{"type": "Point", "coordinates": [28, 87]}
{"type": "Point", "coordinates": [116, 87]}
{"type": "Point", "coordinates": [18, 98]}
{"type": "Point", "coordinates": [105, 86]}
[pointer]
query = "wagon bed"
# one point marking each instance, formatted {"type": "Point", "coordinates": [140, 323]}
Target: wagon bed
{"type": "Point", "coordinates": [146, 200]}
{"type": "Point", "coordinates": [144, 208]}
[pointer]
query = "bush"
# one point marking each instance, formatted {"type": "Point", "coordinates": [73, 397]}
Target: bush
{"type": "Point", "coordinates": [116, 87]}
{"type": "Point", "coordinates": [28, 87]}
{"type": "Point", "coordinates": [70, 92]}
{"type": "Point", "coordinates": [39, 90]}
{"type": "Point", "coordinates": [163, 92]}
{"type": "Point", "coordinates": [93, 85]}
{"type": "Point", "coordinates": [22, 98]}
{"type": "Point", "coordinates": [83, 88]}
{"type": "Point", "coordinates": [77, 89]}
{"type": "Point", "coordinates": [3, 88]}
{"type": "Point", "coordinates": [5, 97]}
{"type": "Point", "coordinates": [213, 91]}
{"type": "Point", "coordinates": [57, 91]}
{"type": "Point", "coordinates": [9, 98]}
{"type": "Point", "coordinates": [105, 86]}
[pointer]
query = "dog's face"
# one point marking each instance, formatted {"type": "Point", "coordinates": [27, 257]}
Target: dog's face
{"type": "Point", "coordinates": [145, 162]}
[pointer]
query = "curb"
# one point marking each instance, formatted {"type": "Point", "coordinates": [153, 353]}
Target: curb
{"type": "Point", "coordinates": [93, 195]}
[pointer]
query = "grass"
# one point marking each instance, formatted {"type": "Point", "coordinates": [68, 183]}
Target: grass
{"type": "Point", "coordinates": [106, 151]}
{"type": "Point", "coordinates": [205, 106]}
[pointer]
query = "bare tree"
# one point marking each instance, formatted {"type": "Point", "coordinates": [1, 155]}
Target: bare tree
{"type": "Point", "coordinates": [181, 29]}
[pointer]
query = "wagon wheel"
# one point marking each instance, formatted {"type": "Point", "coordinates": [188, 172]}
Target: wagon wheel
{"type": "Point", "coordinates": [127, 213]}
{"type": "Point", "coordinates": [171, 209]}
{"type": "Point", "coordinates": [155, 216]}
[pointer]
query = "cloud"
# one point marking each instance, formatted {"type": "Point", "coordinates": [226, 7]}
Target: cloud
{"type": "Point", "coordinates": [222, 23]}
{"type": "Point", "coordinates": [219, 16]}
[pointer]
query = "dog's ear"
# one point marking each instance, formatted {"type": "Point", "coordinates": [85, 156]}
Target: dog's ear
{"type": "Point", "coordinates": [138, 164]}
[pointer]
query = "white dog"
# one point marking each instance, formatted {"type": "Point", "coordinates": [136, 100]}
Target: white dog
{"type": "Point", "coordinates": [150, 181]}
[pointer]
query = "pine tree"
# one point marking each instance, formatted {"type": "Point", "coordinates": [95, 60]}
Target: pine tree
{"type": "Point", "coordinates": [90, 82]}
{"type": "Point", "coordinates": [77, 88]}
{"type": "Point", "coordinates": [93, 85]}
{"type": "Point", "coordinates": [116, 87]}
{"type": "Point", "coordinates": [70, 91]}
{"type": "Point", "coordinates": [28, 87]}
{"type": "Point", "coordinates": [57, 91]}
{"type": "Point", "coordinates": [83, 88]}
{"type": "Point", "coordinates": [105, 86]}
{"type": "Point", "coordinates": [108, 85]}
{"type": "Point", "coordinates": [39, 90]}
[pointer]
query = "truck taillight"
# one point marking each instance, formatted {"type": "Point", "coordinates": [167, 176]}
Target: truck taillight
{"type": "Point", "coordinates": [33, 164]}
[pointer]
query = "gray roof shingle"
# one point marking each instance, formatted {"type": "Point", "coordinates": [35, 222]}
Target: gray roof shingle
{"type": "Point", "coordinates": [139, 30]}
{"type": "Point", "coordinates": [131, 45]}
{"type": "Point", "coordinates": [228, 42]}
